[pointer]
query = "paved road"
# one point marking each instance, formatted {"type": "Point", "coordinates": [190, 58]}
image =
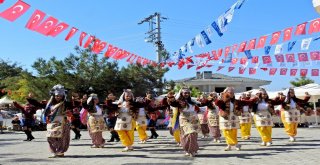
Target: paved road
{"type": "Point", "coordinates": [164, 151]}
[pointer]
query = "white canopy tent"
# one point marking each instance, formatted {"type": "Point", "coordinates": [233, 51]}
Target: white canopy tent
{"type": "Point", "coordinates": [5, 100]}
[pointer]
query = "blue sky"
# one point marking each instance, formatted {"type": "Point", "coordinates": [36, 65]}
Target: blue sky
{"type": "Point", "coordinates": [116, 22]}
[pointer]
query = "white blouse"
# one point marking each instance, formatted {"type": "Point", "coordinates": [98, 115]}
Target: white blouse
{"type": "Point", "coordinates": [292, 104]}
{"type": "Point", "coordinates": [262, 106]}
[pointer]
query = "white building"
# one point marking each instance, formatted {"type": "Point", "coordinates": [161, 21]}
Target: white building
{"type": "Point", "coordinates": [208, 82]}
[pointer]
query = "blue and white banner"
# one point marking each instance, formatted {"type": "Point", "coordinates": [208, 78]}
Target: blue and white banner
{"type": "Point", "coordinates": [205, 37]}
{"type": "Point", "coordinates": [199, 41]}
{"type": "Point", "coordinates": [305, 43]}
{"type": "Point", "coordinates": [291, 45]}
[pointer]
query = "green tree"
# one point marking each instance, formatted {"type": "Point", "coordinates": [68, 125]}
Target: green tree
{"type": "Point", "coordinates": [301, 81]}
{"type": "Point", "coordinates": [195, 92]}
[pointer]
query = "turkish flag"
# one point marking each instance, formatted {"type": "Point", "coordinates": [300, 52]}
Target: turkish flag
{"type": "Point", "coordinates": [283, 71]}
{"type": "Point", "coordinates": [272, 71]}
{"type": "Point", "coordinates": [252, 71]}
{"type": "Point", "coordinates": [110, 51]}
{"type": "Point", "coordinates": [98, 46]}
{"type": "Point", "coordinates": [314, 26]}
{"type": "Point", "coordinates": [132, 58]}
{"type": "Point", "coordinates": [264, 69]}
{"type": "Point", "coordinates": [82, 35]}
{"type": "Point", "coordinates": [293, 72]}
{"type": "Point", "coordinates": [279, 57]}
{"type": "Point", "coordinates": [230, 69]}
{"type": "Point", "coordinates": [220, 52]}
{"type": "Point", "coordinates": [234, 61]}
{"type": "Point", "coordinates": [252, 44]}
{"type": "Point", "coordinates": [189, 60]}
{"type": "Point", "coordinates": [275, 37]}
{"type": "Point", "coordinates": [261, 42]}
{"type": "Point", "coordinates": [243, 60]}
{"type": "Point", "coordinates": [35, 19]}
{"type": "Point", "coordinates": [220, 67]}
{"type": "Point", "coordinates": [72, 31]}
{"type": "Point", "coordinates": [58, 29]}
{"type": "Point", "coordinates": [290, 57]}
{"type": "Point", "coordinates": [89, 41]}
{"type": "Point", "coordinates": [242, 46]}
{"type": "Point", "coordinates": [139, 60]}
{"type": "Point", "coordinates": [287, 34]}
{"type": "Point", "coordinates": [215, 55]}
{"type": "Point", "coordinates": [226, 51]}
{"type": "Point", "coordinates": [303, 72]}
{"type": "Point", "coordinates": [241, 70]}
{"type": "Point", "coordinates": [255, 59]}
{"type": "Point", "coordinates": [120, 54]}
{"type": "Point", "coordinates": [190, 66]}
{"type": "Point", "coordinates": [301, 29]}
{"type": "Point", "coordinates": [266, 59]}
{"type": "Point", "coordinates": [315, 72]}
{"type": "Point", "coordinates": [15, 11]}
{"type": "Point", "coordinates": [1, 1]}
{"type": "Point", "coordinates": [303, 57]}
{"type": "Point", "coordinates": [234, 47]}
{"type": "Point", "coordinates": [46, 26]}
{"type": "Point", "coordinates": [315, 56]}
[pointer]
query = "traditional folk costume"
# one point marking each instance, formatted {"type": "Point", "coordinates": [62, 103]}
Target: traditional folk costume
{"type": "Point", "coordinates": [203, 119]}
{"type": "Point", "coordinates": [246, 121]}
{"type": "Point", "coordinates": [58, 131]}
{"type": "Point", "coordinates": [173, 113]}
{"type": "Point", "coordinates": [111, 119]}
{"type": "Point", "coordinates": [189, 122]}
{"type": "Point", "coordinates": [290, 116]}
{"type": "Point", "coordinates": [28, 119]}
{"type": "Point", "coordinates": [75, 118]}
{"type": "Point", "coordinates": [141, 125]}
{"type": "Point", "coordinates": [263, 111]}
{"type": "Point", "coordinates": [96, 124]}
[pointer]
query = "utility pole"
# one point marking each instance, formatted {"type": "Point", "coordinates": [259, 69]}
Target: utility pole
{"type": "Point", "coordinates": [155, 33]}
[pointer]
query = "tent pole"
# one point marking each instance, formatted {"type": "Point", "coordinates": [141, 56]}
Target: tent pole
{"type": "Point", "coordinates": [316, 125]}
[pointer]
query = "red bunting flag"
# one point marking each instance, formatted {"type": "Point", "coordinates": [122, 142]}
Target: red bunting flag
{"type": "Point", "coordinates": [261, 42]}
{"type": "Point", "coordinates": [315, 56]}
{"type": "Point", "coordinates": [189, 60]}
{"type": "Point", "coordinates": [242, 46]}
{"type": "Point", "coordinates": [234, 61]}
{"type": "Point", "coordinates": [283, 71]}
{"type": "Point", "coordinates": [266, 59]}
{"type": "Point", "coordinates": [293, 72]}
{"type": "Point", "coordinates": [230, 69]}
{"type": "Point", "coordinates": [252, 44]}
{"type": "Point", "coordinates": [58, 29]}
{"type": "Point", "coordinates": [46, 26]}
{"type": "Point", "coordinates": [275, 37]}
{"type": "Point", "coordinates": [132, 58]}
{"type": "Point", "coordinates": [241, 70]}
{"type": "Point", "coordinates": [290, 57]}
{"type": "Point", "coordinates": [264, 69]}
{"type": "Point", "coordinates": [170, 64]}
{"type": "Point", "coordinates": [234, 47]}
{"type": "Point", "coordinates": [72, 31]}
{"type": "Point", "coordinates": [15, 11]}
{"type": "Point", "coordinates": [215, 55]}
{"type": "Point", "coordinates": [255, 59]}
{"type": "Point", "coordinates": [220, 67]}
{"type": "Point", "coordinates": [35, 19]}
{"type": "Point", "coordinates": [303, 57]}
{"type": "Point", "coordinates": [89, 41]}
{"type": "Point", "coordinates": [110, 51]}
{"type": "Point", "coordinates": [252, 71]}
{"type": "Point", "coordinates": [82, 35]}
{"type": "Point", "coordinates": [315, 72]}
{"type": "Point", "coordinates": [272, 71]}
{"type": "Point", "coordinates": [303, 72]}
{"type": "Point", "coordinates": [190, 66]}
{"type": "Point", "coordinates": [314, 26]}
{"type": "Point", "coordinates": [279, 57]}
{"type": "Point", "coordinates": [139, 60]}
{"type": "Point", "coordinates": [119, 54]}
{"type": "Point", "coordinates": [98, 46]}
{"type": "Point", "coordinates": [220, 52]}
{"type": "Point", "coordinates": [226, 51]}
{"type": "Point", "coordinates": [1, 1]}
{"type": "Point", "coordinates": [287, 34]}
{"type": "Point", "coordinates": [301, 29]}
{"type": "Point", "coordinates": [243, 60]}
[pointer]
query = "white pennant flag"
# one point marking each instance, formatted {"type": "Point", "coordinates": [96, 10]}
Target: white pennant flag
{"type": "Point", "coordinates": [305, 43]}
{"type": "Point", "coordinates": [221, 23]}
{"type": "Point", "coordinates": [190, 46]}
{"type": "Point", "coordinates": [278, 49]}
{"type": "Point", "coordinates": [199, 41]}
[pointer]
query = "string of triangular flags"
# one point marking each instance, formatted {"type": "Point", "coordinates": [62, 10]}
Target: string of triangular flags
{"type": "Point", "coordinates": [52, 27]}
{"type": "Point", "coordinates": [219, 25]}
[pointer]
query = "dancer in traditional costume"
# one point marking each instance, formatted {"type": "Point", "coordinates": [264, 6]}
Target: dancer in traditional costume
{"type": "Point", "coordinates": [141, 122]}
{"type": "Point", "coordinates": [188, 119]}
{"type": "Point", "coordinates": [111, 117]}
{"type": "Point", "coordinates": [246, 119]}
{"type": "Point", "coordinates": [28, 120]}
{"type": "Point", "coordinates": [58, 131]}
{"type": "Point", "coordinates": [75, 116]}
{"type": "Point", "coordinates": [174, 126]}
{"type": "Point", "coordinates": [96, 124]}
{"type": "Point", "coordinates": [263, 109]}
{"type": "Point", "coordinates": [213, 117]}
{"type": "Point", "coordinates": [290, 116]}
{"type": "Point", "coordinates": [203, 117]}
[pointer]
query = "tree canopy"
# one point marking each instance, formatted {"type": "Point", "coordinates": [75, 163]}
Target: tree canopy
{"type": "Point", "coordinates": [301, 81]}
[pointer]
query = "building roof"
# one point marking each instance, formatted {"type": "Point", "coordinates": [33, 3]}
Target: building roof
{"type": "Point", "coordinates": [217, 77]}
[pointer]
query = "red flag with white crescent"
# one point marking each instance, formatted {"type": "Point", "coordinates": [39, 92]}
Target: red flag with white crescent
{"type": "Point", "coordinates": [46, 26]}
{"type": "Point", "coordinates": [303, 57]}
{"type": "Point", "coordinates": [226, 51]}
{"type": "Point", "coordinates": [279, 57]}
{"type": "Point", "coordinates": [15, 11]}
{"type": "Point", "coordinates": [252, 71]}
{"type": "Point", "coordinates": [314, 26]}
{"type": "Point", "coordinates": [255, 59]}
{"type": "Point", "coordinates": [220, 52]}
{"type": "Point", "coordinates": [234, 47]}
{"type": "Point", "coordinates": [110, 51]}
{"type": "Point", "coordinates": [252, 44]}
{"type": "Point", "coordinates": [72, 31]}
{"type": "Point", "coordinates": [88, 42]}
{"type": "Point", "coordinates": [301, 29]}
{"type": "Point", "coordinates": [99, 46]}
{"type": "Point", "coordinates": [243, 60]}
{"type": "Point", "coordinates": [315, 56]}
{"type": "Point", "coordinates": [234, 61]}
{"type": "Point", "coordinates": [35, 19]}
{"type": "Point", "coordinates": [283, 71]}
{"type": "Point", "coordinates": [293, 72]}
{"type": "Point", "coordinates": [275, 37]}
{"type": "Point", "coordinates": [241, 70]}
{"type": "Point", "coordinates": [290, 57]}
{"type": "Point", "coordinates": [58, 29]}
{"type": "Point", "coordinates": [262, 42]}
{"type": "Point", "coordinates": [315, 72]}
{"type": "Point", "coordinates": [272, 71]}
{"type": "Point", "coordinates": [303, 72]}
{"type": "Point", "coordinates": [266, 59]}
{"type": "Point", "coordinates": [82, 35]}
{"type": "Point", "coordinates": [287, 34]}
{"type": "Point", "coordinates": [242, 46]}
